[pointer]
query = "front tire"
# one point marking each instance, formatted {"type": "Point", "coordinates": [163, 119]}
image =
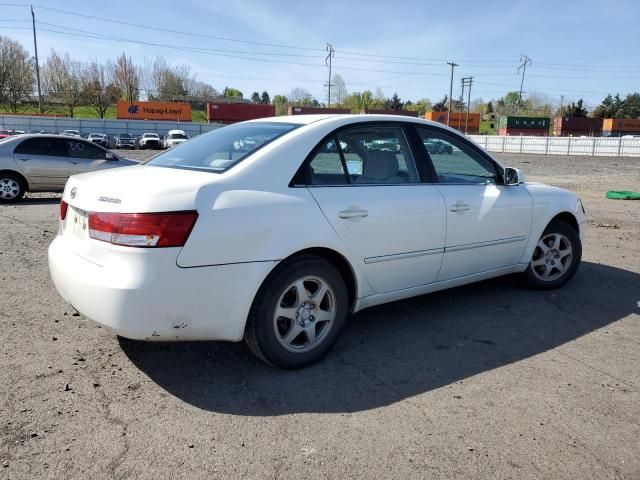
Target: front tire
{"type": "Point", "coordinates": [298, 313]}
{"type": "Point", "coordinates": [555, 258]}
{"type": "Point", "coordinates": [12, 188]}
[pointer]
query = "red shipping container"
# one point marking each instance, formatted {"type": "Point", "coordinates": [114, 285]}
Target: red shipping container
{"type": "Point", "coordinates": [406, 113]}
{"type": "Point", "coordinates": [524, 132]}
{"type": "Point", "coordinates": [576, 126]}
{"type": "Point", "coordinates": [238, 112]}
{"type": "Point", "coordinates": [292, 110]}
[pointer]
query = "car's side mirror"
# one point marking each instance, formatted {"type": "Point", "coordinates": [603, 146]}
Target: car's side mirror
{"type": "Point", "coordinates": [513, 176]}
{"type": "Point", "coordinates": [110, 156]}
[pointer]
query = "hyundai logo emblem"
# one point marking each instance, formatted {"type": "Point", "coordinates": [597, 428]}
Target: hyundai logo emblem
{"type": "Point", "coordinates": [74, 192]}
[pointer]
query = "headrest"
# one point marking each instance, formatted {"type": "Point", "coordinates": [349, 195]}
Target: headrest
{"type": "Point", "coordinates": [380, 165]}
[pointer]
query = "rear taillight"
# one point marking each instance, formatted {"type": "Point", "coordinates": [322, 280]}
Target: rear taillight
{"type": "Point", "coordinates": [64, 206]}
{"type": "Point", "coordinates": [142, 229]}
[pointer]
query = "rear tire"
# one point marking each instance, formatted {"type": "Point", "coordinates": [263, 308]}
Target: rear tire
{"type": "Point", "coordinates": [556, 257]}
{"type": "Point", "coordinates": [298, 313]}
{"type": "Point", "coordinates": [12, 187]}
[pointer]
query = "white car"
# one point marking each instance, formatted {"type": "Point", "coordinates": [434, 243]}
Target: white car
{"type": "Point", "coordinates": [175, 137]}
{"type": "Point", "coordinates": [71, 133]}
{"type": "Point", "coordinates": [150, 140]}
{"type": "Point", "coordinates": [279, 244]}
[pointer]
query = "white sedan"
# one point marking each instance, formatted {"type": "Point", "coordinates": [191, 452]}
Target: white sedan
{"type": "Point", "coordinates": [321, 216]}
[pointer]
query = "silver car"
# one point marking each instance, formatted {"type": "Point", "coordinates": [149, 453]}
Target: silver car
{"type": "Point", "coordinates": [43, 163]}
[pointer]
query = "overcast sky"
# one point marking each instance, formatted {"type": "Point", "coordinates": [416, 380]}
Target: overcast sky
{"type": "Point", "coordinates": [578, 48]}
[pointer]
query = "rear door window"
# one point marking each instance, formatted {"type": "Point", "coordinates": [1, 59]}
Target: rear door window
{"type": "Point", "coordinates": [42, 146]}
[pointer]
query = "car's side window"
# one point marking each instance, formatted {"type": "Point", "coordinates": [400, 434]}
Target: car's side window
{"type": "Point", "coordinates": [40, 146]}
{"type": "Point", "coordinates": [456, 162]}
{"type": "Point", "coordinates": [327, 167]}
{"type": "Point", "coordinates": [84, 150]}
{"type": "Point", "coordinates": [377, 155]}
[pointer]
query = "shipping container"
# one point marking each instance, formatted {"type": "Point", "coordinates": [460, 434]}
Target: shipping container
{"type": "Point", "coordinates": [458, 120]}
{"type": "Point", "coordinates": [524, 132]}
{"type": "Point", "coordinates": [378, 111]}
{"type": "Point", "coordinates": [175, 111]}
{"type": "Point", "coordinates": [620, 126]}
{"type": "Point", "coordinates": [576, 126]}
{"type": "Point", "coordinates": [524, 122]}
{"type": "Point", "coordinates": [315, 110]}
{"type": "Point", "coordinates": [238, 112]}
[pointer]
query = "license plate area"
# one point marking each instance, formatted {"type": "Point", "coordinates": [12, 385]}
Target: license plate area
{"type": "Point", "coordinates": [78, 223]}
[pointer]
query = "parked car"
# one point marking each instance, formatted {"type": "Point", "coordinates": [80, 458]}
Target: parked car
{"type": "Point", "coordinates": [43, 163]}
{"type": "Point", "coordinates": [150, 140]}
{"type": "Point", "coordinates": [71, 133]}
{"type": "Point", "coordinates": [99, 138]}
{"type": "Point", "coordinates": [175, 137]}
{"type": "Point", "coordinates": [5, 133]}
{"type": "Point", "coordinates": [277, 245]}
{"type": "Point", "coordinates": [125, 140]}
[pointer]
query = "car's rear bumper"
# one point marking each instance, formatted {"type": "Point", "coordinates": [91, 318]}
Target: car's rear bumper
{"type": "Point", "coordinates": [142, 294]}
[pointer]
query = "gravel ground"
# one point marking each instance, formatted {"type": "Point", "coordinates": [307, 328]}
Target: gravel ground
{"type": "Point", "coordinates": [484, 381]}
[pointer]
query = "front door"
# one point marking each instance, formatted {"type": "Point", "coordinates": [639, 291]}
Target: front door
{"type": "Point", "coordinates": [366, 183]}
{"type": "Point", "coordinates": [85, 156]}
{"type": "Point", "coordinates": [488, 224]}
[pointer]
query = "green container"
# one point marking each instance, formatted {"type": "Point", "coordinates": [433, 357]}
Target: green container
{"type": "Point", "coordinates": [525, 122]}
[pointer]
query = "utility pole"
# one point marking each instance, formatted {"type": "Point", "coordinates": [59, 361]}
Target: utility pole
{"type": "Point", "coordinates": [561, 104]}
{"type": "Point", "coordinates": [327, 61]}
{"type": "Point", "coordinates": [525, 60]}
{"type": "Point", "coordinates": [467, 82]}
{"type": "Point", "coordinates": [453, 65]}
{"type": "Point", "coordinates": [35, 45]}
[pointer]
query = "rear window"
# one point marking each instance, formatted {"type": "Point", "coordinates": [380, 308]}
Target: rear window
{"type": "Point", "coordinates": [222, 148]}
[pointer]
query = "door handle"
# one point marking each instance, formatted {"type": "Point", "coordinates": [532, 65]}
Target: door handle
{"type": "Point", "coordinates": [353, 213]}
{"type": "Point", "coordinates": [460, 206]}
{"type": "Point", "coordinates": [74, 163]}
{"type": "Point", "coordinates": [24, 159]}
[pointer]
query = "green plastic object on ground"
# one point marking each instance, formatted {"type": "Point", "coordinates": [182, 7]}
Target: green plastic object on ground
{"type": "Point", "coordinates": [622, 195]}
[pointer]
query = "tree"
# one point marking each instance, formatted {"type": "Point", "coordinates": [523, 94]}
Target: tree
{"type": "Point", "coordinates": [62, 80]}
{"type": "Point", "coordinates": [301, 96]}
{"type": "Point", "coordinates": [126, 77]}
{"type": "Point", "coordinates": [442, 105]}
{"type": "Point", "coordinates": [339, 90]}
{"type": "Point", "coordinates": [489, 108]}
{"type": "Point", "coordinates": [281, 102]}
{"type": "Point", "coordinates": [264, 98]}
{"type": "Point", "coordinates": [255, 97]}
{"type": "Point", "coordinates": [394, 103]}
{"type": "Point", "coordinates": [422, 106]}
{"type": "Point", "coordinates": [234, 93]}
{"type": "Point", "coordinates": [574, 110]}
{"type": "Point", "coordinates": [16, 73]}
{"type": "Point", "coordinates": [510, 104]}
{"type": "Point", "coordinates": [98, 89]}
{"type": "Point", "coordinates": [631, 105]}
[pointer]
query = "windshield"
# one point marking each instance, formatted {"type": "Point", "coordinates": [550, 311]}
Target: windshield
{"type": "Point", "coordinates": [150, 135]}
{"type": "Point", "coordinates": [222, 148]}
{"type": "Point", "coordinates": [124, 135]}
{"type": "Point", "coordinates": [177, 135]}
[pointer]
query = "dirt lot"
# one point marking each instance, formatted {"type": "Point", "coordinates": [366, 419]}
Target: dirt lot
{"type": "Point", "coordinates": [485, 381]}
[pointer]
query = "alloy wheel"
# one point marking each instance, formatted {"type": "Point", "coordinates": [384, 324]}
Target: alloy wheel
{"type": "Point", "coordinates": [552, 257]}
{"type": "Point", "coordinates": [9, 188]}
{"type": "Point", "coordinates": [304, 314]}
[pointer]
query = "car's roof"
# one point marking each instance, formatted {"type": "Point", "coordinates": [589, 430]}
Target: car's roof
{"type": "Point", "coordinates": [347, 118]}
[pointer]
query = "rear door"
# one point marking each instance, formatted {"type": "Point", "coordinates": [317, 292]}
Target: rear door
{"type": "Point", "coordinates": [85, 156]}
{"type": "Point", "coordinates": [366, 182]}
{"type": "Point", "coordinates": [488, 223]}
{"type": "Point", "coordinates": [43, 160]}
